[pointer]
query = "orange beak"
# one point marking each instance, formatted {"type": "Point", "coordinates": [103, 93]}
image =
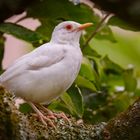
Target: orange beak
{"type": "Point", "coordinates": [83, 26]}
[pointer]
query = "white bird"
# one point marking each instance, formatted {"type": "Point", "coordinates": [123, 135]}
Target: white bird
{"type": "Point", "coordinates": [48, 71]}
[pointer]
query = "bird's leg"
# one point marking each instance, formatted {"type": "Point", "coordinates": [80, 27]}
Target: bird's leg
{"type": "Point", "coordinates": [55, 115]}
{"type": "Point", "coordinates": [45, 110]}
{"type": "Point", "coordinates": [41, 116]}
{"type": "Point", "coordinates": [63, 115]}
{"type": "Point", "coordinates": [50, 114]}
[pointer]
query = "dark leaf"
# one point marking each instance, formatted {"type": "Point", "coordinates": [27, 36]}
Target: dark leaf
{"type": "Point", "coordinates": [83, 82]}
{"type": "Point", "coordinates": [25, 108]}
{"type": "Point", "coordinates": [115, 21]}
{"type": "Point", "coordinates": [110, 67]}
{"type": "Point", "coordinates": [64, 10]}
{"type": "Point", "coordinates": [74, 101]}
{"type": "Point", "coordinates": [86, 69]}
{"type": "Point", "coordinates": [95, 100]}
{"type": "Point", "coordinates": [121, 102]}
{"type": "Point", "coordinates": [137, 92]}
{"type": "Point", "coordinates": [89, 52]}
{"type": "Point", "coordinates": [2, 39]}
{"type": "Point", "coordinates": [129, 80]}
{"type": "Point", "coordinates": [50, 15]}
{"type": "Point", "coordinates": [20, 32]}
{"type": "Point", "coordinates": [77, 99]}
{"type": "Point", "coordinates": [58, 105]}
{"type": "Point", "coordinates": [105, 34]}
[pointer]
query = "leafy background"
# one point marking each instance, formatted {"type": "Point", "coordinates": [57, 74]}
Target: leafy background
{"type": "Point", "coordinates": [108, 81]}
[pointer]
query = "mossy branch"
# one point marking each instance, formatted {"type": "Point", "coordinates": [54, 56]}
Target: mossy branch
{"type": "Point", "coordinates": [15, 125]}
{"type": "Point", "coordinates": [126, 126]}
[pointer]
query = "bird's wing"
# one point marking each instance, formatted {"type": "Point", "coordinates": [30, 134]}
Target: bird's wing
{"type": "Point", "coordinates": [40, 58]}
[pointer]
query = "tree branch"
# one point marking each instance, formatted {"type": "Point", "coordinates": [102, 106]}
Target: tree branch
{"type": "Point", "coordinates": [126, 126]}
{"type": "Point", "coordinates": [15, 125]}
{"type": "Point", "coordinates": [96, 30]}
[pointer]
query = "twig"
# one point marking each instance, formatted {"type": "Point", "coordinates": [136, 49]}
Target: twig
{"type": "Point", "coordinates": [96, 30]}
{"type": "Point", "coordinates": [22, 18]}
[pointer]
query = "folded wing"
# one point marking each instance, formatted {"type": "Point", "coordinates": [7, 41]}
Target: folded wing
{"type": "Point", "coordinates": [44, 56]}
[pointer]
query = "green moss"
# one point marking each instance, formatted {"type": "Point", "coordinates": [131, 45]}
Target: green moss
{"type": "Point", "coordinates": [15, 125]}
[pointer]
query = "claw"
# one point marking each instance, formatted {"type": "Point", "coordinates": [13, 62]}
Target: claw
{"type": "Point", "coordinates": [50, 115]}
{"type": "Point", "coordinates": [62, 115]}
{"type": "Point", "coordinates": [42, 117]}
{"type": "Point", "coordinates": [56, 115]}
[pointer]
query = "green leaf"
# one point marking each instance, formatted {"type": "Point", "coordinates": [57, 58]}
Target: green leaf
{"type": "Point", "coordinates": [121, 102]}
{"type": "Point", "coordinates": [25, 108]}
{"type": "Point", "coordinates": [137, 92]}
{"type": "Point", "coordinates": [58, 105]}
{"type": "Point", "coordinates": [83, 82]}
{"type": "Point", "coordinates": [105, 34]}
{"type": "Point", "coordinates": [95, 100]}
{"type": "Point", "coordinates": [86, 69]}
{"type": "Point", "coordinates": [50, 15]}
{"type": "Point", "coordinates": [64, 10]}
{"type": "Point", "coordinates": [20, 32]}
{"type": "Point", "coordinates": [110, 67]}
{"type": "Point", "coordinates": [89, 52]}
{"type": "Point", "coordinates": [77, 99]}
{"type": "Point", "coordinates": [47, 26]}
{"type": "Point", "coordinates": [129, 80]}
{"type": "Point", "coordinates": [115, 21]}
{"type": "Point", "coordinates": [74, 101]}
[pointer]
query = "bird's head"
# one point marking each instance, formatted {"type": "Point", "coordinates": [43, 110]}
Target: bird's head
{"type": "Point", "coordinates": [68, 32]}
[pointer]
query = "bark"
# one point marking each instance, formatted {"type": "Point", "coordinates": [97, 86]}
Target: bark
{"type": "Point", "coordinates": [126, 126]}
{"type": "Point", "coordinates": [15, 125]}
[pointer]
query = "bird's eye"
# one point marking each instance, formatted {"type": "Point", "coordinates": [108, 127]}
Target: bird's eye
{"type": "Point", "coordinates": [68, 27]}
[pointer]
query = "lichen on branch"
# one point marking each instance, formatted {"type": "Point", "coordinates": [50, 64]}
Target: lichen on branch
{"type": "Point", "coordinates": [19, 126]}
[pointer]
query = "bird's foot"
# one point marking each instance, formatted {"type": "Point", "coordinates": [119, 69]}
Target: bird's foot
{"type": "Point", "coordinates": [63, 116]}
{"type": "Point", "coordinates": [47, 119]}
{"type": "Point", "coordinates": [56, 116]}
{"type": "Point", "coordinates": [44, 119]}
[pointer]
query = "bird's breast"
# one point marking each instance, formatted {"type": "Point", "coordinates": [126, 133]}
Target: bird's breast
{"type": "Point", "coordinates": [46, 84]}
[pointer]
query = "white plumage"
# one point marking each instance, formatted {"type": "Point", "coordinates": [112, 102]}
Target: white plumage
{"type": "Point", "coordinates": [48, 71]}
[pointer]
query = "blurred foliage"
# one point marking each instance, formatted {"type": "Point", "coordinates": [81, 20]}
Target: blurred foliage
{"type": "Point", "coordinates": [103, 88]}
{"type": "Point", "coordinates": [126, 10]}
{"type": "Point", "coordinates": [20, 32]}
{"type": "Point", "coordinates": [25, 108]}
{"type": "Point", "coordinates": [115, 21]}
{"type": "Point", "coordinates": [2, 39]}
